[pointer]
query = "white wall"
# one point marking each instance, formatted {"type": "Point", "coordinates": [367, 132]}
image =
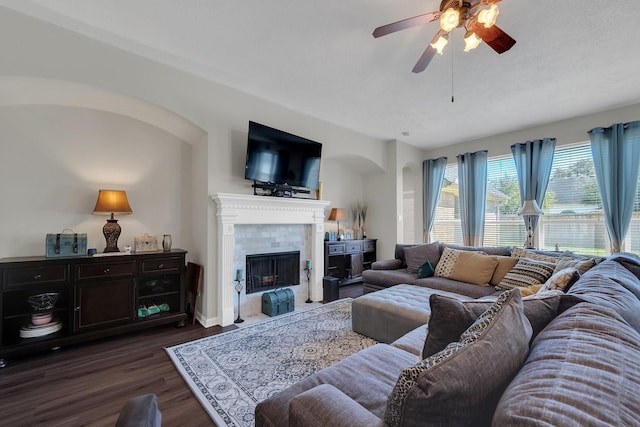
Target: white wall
{"type": "Point", "coordinates": [569, 131]}
{"type": "Point", "coordinates": [55, 159]}
{"type": "Point", "coordinates": [137, 87]}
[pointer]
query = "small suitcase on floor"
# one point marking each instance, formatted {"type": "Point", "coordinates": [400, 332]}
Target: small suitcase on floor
{"type": "Point", "coordinates": [278, 302]}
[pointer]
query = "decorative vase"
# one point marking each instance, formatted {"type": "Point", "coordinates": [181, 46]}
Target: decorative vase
{"type": "Point", "coordinates": [166, 242]}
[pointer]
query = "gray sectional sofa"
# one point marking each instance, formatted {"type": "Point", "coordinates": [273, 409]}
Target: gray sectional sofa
{"type": "Point", "coordinates": [574, 363]}
{"type": "Point", "coordinates": [404, 269]}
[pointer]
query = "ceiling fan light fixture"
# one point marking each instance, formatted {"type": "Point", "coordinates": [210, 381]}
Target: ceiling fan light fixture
{"type": "Point", "coordinates": [488, 17]}
{"type": "Point", "coordinates": [440, 43]}
{"type": "Point", "coordinates": [449, 19]}
{"type": "Point", "coordinates": [471, 41]}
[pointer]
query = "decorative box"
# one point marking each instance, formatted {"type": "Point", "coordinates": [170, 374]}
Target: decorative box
{"type": "Point", "coordinates": [278, 302]}
{"type": "Point", "coordinates": [66, 245]}
{"type": "Point", "coordinates": [145, 243]}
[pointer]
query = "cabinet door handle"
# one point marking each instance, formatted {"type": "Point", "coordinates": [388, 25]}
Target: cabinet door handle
{"type": "Point", "coordinates": [161, 266]}
{"type": "Point", "coordinates": [77, 308]}
{"type": "Point", "coordinates": [106, 270]}
{"type": "Point", "coordinates": [37, 276]}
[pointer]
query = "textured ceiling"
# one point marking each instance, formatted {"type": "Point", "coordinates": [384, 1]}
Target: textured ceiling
{"type": "Point", "coordinates": [572, 57]}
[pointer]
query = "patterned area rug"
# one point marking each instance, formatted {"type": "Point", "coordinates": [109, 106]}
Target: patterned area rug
{"type": "Point", "coordinates": [231, 372]}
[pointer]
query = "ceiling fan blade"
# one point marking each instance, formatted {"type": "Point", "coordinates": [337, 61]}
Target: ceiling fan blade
{"type": "Point", "coordinates": [427, 55]}
{"type": "Point", "coordinates": [406, 23]}
{"type": "Point", "coordinates": [497, 39]}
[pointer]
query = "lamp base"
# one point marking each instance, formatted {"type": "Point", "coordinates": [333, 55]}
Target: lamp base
{"type": "Point", "coordinates": [111, 231]}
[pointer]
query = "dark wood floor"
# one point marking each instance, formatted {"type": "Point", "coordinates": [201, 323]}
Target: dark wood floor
{"type": "Point", "coordinates": [87, 384]}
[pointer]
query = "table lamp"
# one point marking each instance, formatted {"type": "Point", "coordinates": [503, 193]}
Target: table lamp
{"type": "Point", "coordinates": [338, 214]}
{"type": "Point", "coordinates": [112, 202]}
{"type": "Point", "coordinates": [530, 208]}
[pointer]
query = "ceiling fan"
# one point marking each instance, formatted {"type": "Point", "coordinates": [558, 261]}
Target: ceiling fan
{"type": "Point", "coordinates": [477, 17]}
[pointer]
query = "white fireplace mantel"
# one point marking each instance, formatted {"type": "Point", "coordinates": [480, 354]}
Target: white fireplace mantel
{"type": "Point", "coordinates": [233, 209]}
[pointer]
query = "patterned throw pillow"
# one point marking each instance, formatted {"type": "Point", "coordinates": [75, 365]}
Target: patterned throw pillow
{"type": "Point", "coordinates": [466, 266]}
{"type": "Point", "coordinates": [526, 253]}
{"type": "Point", "coordinates": [527, 272]}
{"type": "Point", "coordinates": [561, 280]}
{"type": "Point", "coordinates": [581, 264]}
{"type": "Point", "coordinates": [450, 388]}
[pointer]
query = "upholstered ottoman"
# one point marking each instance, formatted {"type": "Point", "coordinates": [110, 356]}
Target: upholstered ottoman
{"type": "Point", "coordinates": [388, 314]}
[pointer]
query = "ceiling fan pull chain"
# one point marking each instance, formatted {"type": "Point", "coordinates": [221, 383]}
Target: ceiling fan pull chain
{"type": "Point", "coordinates": [452, 97]}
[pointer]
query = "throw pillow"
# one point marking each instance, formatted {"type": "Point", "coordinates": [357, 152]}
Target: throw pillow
{"type": "Point", "coordinates": [450, 317]}
{"type": "Point", "coordinates": [581, 264]}
{"type": "Point", "coordinates": [415, 256]}
{"type": "Point", "coordinates": [462, 384]}
{"type": "Point", "coordinates": [527, 253]}
{"type": "Point", "coordinates": [527, 272]}
{"type": "Point", "coordinates": [425, 270]}
{"type": "Point", "coordinates": [529, 290]}
{"type": "Point", "coordinates": [466, 266]}
{"type": "Point", "coordinates": [505, 264]}
{"type": "Point", "coordinates": [561, 280]}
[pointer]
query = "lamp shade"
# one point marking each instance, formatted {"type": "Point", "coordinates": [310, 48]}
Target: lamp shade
{"type": "Point", "coordinates": [112, 201]}
{"type": "Point", "coordinates": [530, 207]}
{"type": "Point", "coordinates": [337, 214]}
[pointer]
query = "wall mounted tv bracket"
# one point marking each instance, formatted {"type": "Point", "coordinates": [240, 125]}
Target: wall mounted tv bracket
{"type": "Point", "coordinates": [277, 190]}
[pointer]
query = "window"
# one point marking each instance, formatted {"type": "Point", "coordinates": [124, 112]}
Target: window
{"type": "Point", "coordinates": [446, 227]}
{"type": "Point", "coordinates": [573, 217]}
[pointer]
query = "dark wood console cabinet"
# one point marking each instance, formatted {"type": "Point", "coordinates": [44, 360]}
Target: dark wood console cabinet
{"type": "Point", "coordinates": [346, 259]}
{"type": "Point", "coordinates": [97, 297]}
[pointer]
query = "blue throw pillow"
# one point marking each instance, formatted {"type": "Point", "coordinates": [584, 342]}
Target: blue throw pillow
{"type": "Point", "coordinates": [425, 270]}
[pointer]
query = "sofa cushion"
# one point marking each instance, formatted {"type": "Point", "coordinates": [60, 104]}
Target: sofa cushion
{"type": "Point", "coordinates": [505, 264]}
{"type": "Point", "coordinates": [450, 388]}
{"type": "Point", "coordinates": [456, 286]}
{"type": "Point", "coordinates": [367, 377]}
{"type": "Point", "coordinates": [450, 317]}
{"type": "Point", "coordinates": [632, 263]}
{"type": "Point", "coordinates": [140, 411]}
{"type": "Point", "coordinates": [387, 264]}
{"type": "Point", "coordinates": [581, 371]}
{"type": "Point", "coordinates": [527, 272]}
{"type": "Point", "coordinates": [387, 278]}
{"type": "Point", "coordinates": [415, 256]}
{"type": "Point", "coordinates": [611, 285]}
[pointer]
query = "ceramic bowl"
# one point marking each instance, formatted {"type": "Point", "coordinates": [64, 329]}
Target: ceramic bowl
{"type": "Point", "coordinates": [41, 319]}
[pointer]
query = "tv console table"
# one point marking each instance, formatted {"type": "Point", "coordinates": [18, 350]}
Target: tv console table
{"type": "Point", "coordinates": [346, 259]}
{"type": "Point", "coordinates": [96, 297]}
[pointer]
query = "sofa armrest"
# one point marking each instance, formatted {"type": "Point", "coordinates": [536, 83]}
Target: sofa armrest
{"type": "Point", "coordinates": [387, 264]}
{"type": "Point", "coordinates": [325, 405]}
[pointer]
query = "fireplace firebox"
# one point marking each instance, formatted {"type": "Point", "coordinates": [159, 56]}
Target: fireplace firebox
{"type": "Point", "coordinates": [266, 272]}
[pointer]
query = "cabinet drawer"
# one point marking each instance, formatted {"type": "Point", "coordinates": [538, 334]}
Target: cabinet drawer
{"type": "Point", "coordinates": [23, 276]}
{"type": "Point", "coordinates": [92, 271]}
{"type": "Point", "coordinates": [369, 246]}
{"type": "Point", "coordinates": [336, 249]}
{"type": "Point", "coordinates": [354, 247]}
{"type": "Point", "coordinates": [161, 265]}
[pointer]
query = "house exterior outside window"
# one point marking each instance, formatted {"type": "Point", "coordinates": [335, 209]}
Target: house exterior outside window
{"type": "Point", "coordinates": [573, 218]}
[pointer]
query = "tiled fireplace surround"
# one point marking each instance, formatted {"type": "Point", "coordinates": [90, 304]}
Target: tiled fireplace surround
{"type": "Point", "coordinates": [248, 224]}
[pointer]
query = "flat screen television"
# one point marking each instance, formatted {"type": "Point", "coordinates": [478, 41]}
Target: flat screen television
{"type": "Point", "coordinates": [280, 158]}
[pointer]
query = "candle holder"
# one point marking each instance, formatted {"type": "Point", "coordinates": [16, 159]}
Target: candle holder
{"type": "Point", "coordinates": [238, 287]}
{"type": "Point", "coordinates": [308, 270]}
